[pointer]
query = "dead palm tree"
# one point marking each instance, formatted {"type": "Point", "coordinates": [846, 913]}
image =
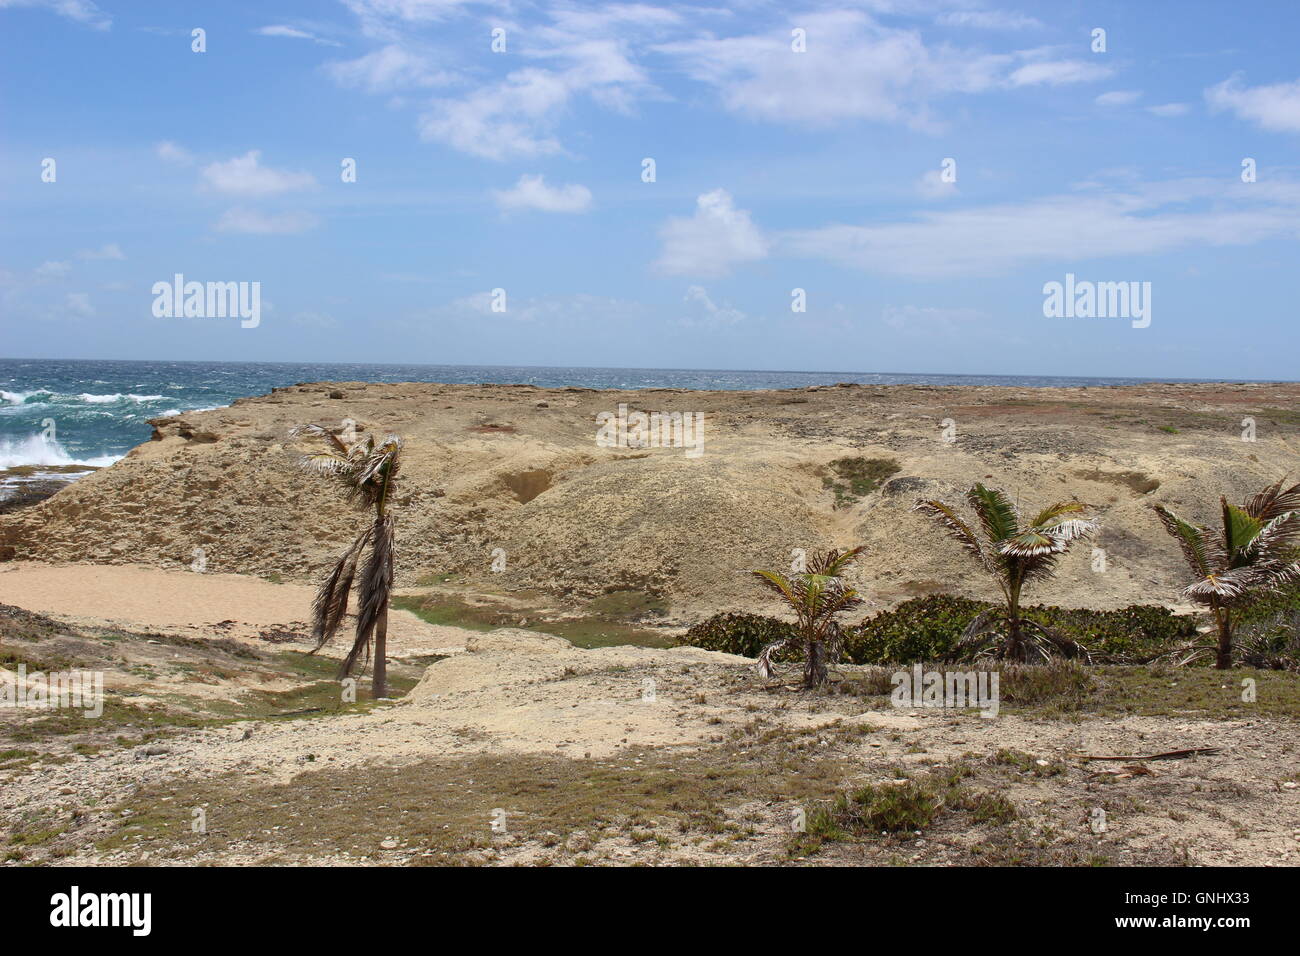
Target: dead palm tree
{"type": "Point", "coordinates": [368, 470]}
{"type": "Point", "coordinates": [1252, 555]}
{"type": "Point", "coordinates": [816, 597]}
{"type": "Point", "coordinates": [1015, 557]}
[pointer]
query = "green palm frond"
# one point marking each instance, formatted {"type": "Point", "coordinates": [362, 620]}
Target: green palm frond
{"type": "Point", "coordinates": [1239, 528]}
{"type": "Point", "coordinates": [1052, 514]}
{"type": "Point", "coordinates": [996, 513]}
{"type": "Point", "coordinates": [1191, 539]}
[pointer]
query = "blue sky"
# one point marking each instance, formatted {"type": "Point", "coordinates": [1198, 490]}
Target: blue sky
{"type": "Point", "coordinates": [775, 170]}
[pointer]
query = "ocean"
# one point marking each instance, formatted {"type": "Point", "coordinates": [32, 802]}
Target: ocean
{"type": "Point", "coordinates": [90, 413]}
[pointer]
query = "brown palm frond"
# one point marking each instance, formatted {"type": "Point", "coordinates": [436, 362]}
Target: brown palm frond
{"type": "Point", "coordinates": [322, 432]}
{"type": "Point", "coordinates": [1273, 501]}
{"type": "Point", "coordinates": [957, 528]}
{"type": "Point", "coordinates": [375, 588]}
{"type": "Point", "coordinates": [331, 604]}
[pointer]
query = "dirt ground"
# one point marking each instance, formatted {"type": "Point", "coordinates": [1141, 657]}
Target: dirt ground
{"type": "Point", "coordinates": [513, 747]}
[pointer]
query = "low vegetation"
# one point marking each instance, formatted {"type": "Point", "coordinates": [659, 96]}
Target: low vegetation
{"type": "Point", "coordinates": [1253, 554]}
{"type": "Point", "coordinates": [1015, 555]}
{"type": "Point", "coordinates": [852, 479]}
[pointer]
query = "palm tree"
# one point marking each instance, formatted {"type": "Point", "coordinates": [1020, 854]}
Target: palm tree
{"type": "Point", "coordinates": [1014, 556]}
{"type": "Point", "coordinates": [369, 472]}
{"type": "Point", "coordinates": [815, 596]}
{"type": "Point", "coordinates": [1254, 554]}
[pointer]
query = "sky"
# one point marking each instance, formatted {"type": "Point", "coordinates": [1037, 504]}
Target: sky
{"type": "Point", "coordinates": [656, 185]}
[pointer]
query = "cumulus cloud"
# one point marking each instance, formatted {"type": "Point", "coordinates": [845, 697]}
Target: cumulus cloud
{"type": "Point", "coordinates": [254, 222]}
{"type": "Point", "coordinates": [531, 192]}
{"type": "Point", "coordinates": [713, 240]}
{"type": "Point", "coordinates": [1275, 108]}
{"type": "Point", "coordinates": [245, 176]}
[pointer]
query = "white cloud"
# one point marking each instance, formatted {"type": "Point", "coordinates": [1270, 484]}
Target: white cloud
{"type": "Point", "coordinates": [245, 176]}
{"type": "Point", "coordinates": [108, 251]}
{"type": "Point", "coordinates": [931, 185]}
{"type": "Point", "coordinates": [1275, 108]}
{"type": "Point", "coordinates": [53, 270]}
{"type": "Point", "coordinates": [710, 242]}
{"type": "Point", "coordinates": [388, 69]}
{"type": "Point", "coordinates": [501, 121]}
{"type": "Point", "coordinates": [254, 222]}
{"type": "Point", "coordinates": [531, 192]}
{"type": "Point", "coordinates": [993, 239]}
{"type": "Point", "coordinates": [713, 314]}
{"type": "Point", "coordinates": [1058, 73]}
{"type": "Point", "coordinates": [989, 20]}
{"type": "Point", "coordinates": [81, 11]}
{"type": "Point", "coordinates": [171, 153]}
{"type": "Point", "coordinates": [78, 303]}
{"type": "Point", "coordinates": [1119, 98]}
{"type": "Point", "coordinates": [293, 33]}
{"type": "Point", "coordinates": [575, 53]}
{"type": "Point", "coordinates": [858, 69]}
{"type": "Point", "coordinates": [1169, 109]}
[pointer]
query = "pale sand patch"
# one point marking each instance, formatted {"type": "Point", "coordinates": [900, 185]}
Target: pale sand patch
{"type": "Point", "coordinates": [144, 598]}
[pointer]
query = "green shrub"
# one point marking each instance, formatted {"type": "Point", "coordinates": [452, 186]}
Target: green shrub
{"type": "Point", "coordinates": [744, 634]}
{"type": "Point", "coordinates": [922, 629]}
{"type": "Point", "coordinates": [926, 628]}
{"type": "Point", "coordinates": [1131, 635]}
{"type": "Point", "coordinates": [1268, 631]}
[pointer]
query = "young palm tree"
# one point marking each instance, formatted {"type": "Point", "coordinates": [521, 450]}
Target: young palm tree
{"type": "Point", "coordinates": [1253, 554]}
{"type": "Point", "coordinates": [815, 596]}
{"type": "Point", "coordinates": [369, 472]}
{"type": "Point", "coordinates": [1014, 556]}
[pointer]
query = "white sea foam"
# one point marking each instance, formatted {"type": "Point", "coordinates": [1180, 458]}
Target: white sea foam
{"type": "Point", "coordinates": [17, 398]}
{"type": "Point", "coordinates": [39, 450]}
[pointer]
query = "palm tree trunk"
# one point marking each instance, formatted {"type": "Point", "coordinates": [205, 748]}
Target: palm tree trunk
{"type": "Point", "coordinates": [379, 683]}
{"type": "Point", "coordinates": [1013, 620]}
{"type": "Point", "coordinates": [814, 672]}
{"type": "Point", "coordinates": [1223, 660]}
